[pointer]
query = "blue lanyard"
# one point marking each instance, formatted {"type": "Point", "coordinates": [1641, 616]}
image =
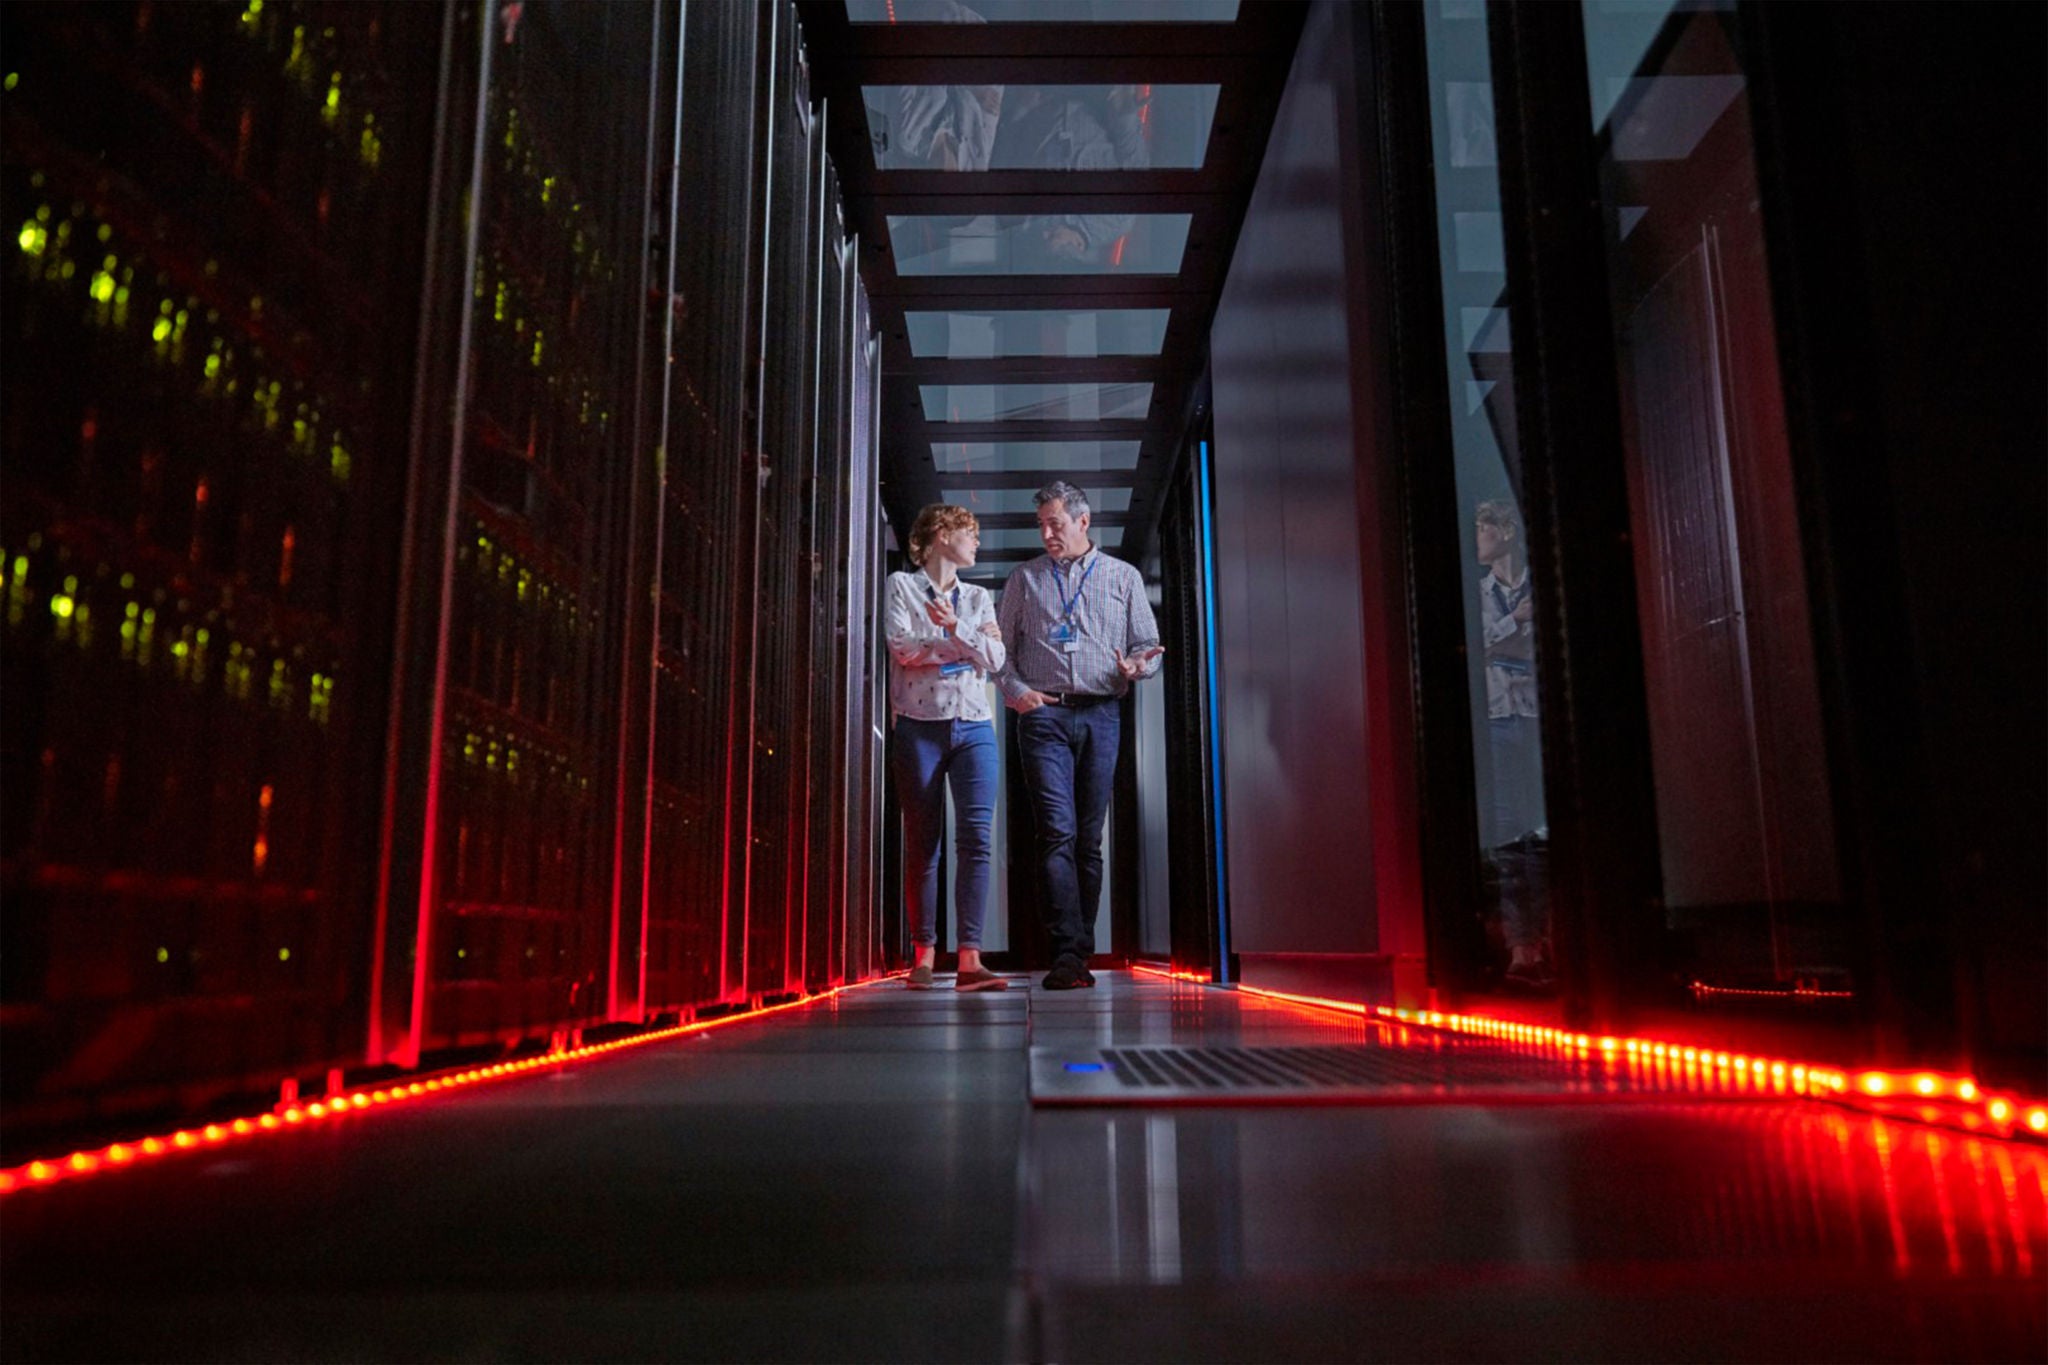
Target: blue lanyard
{"type": "Point", "coordinates": [933, 594]}
{"type": "Point", "coordinates": [1067, 604]}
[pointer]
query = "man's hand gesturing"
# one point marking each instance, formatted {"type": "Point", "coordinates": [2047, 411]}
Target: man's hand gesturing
{"type": "Point", "coordinates": [1132, 666]}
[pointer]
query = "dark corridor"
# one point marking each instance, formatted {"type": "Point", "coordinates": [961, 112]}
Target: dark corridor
{"type": "Point", "coordinates": [1574, 883]}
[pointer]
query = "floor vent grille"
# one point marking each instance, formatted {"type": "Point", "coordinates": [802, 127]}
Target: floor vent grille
{"type": "Point", "coordinates": [1446, 1069]}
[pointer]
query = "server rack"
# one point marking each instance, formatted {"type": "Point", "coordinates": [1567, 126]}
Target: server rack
{"type": "Point", "coordinates": [205, 399]}
{"type": "Point", "coordinates": [389, 393]}
{"type": "Point", "coordinates": [501, 919]}
{"type": "Point", "coordinates": [706, 476]}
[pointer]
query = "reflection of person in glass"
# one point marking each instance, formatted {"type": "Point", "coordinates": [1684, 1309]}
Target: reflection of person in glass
{"type": "Point", "coordinates": [941, 127]}
{"type": "Point", "coordinates": [1512, 820]}
{"type": "Point", "coordinates": [1015, 128]}
{"type": "Point", "coordinates": [943, 638]}
{"type": "Point", "coordinates": [1073, 128]}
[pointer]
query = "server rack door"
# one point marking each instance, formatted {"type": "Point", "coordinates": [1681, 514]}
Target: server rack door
{"type": "Point", "coordinates": [706, 471]}
{"type": "Point", "coordinates": [516, 935]}
{"type": "Point", "coordinates": [208, 328]}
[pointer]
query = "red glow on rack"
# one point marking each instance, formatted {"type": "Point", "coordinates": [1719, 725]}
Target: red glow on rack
{"type": "Point", "coordinates": [135, 1151]}
{"type": "Point", "coordinates": [1116, 253]}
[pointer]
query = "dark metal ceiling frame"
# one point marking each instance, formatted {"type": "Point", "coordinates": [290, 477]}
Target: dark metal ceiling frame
{"type": "Point", "coordinates": [1247, 59]}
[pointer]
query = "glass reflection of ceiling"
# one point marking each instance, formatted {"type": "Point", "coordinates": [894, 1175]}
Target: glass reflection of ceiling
{"type": "Point", "coordinates": [989, 502]}
{"type": "Point", "coordinates": [1027, 538]}
{"type": "Point", "coordinates": [1040, 244]}
{"type": "Point", "coordinates": [1086, 402]}
{"type": "Point", "coordinates": [1037, 332]}
{"type": "Point", "coordinates": [1041, 11]}
{"type": "Point", "coordinates": [1040, 127]}
{"type": "Point", "coordinates": [1001, 457]}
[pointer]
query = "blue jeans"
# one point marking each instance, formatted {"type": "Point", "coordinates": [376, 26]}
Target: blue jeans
{"type": "Point", "coordinates": [927, 755]}
{"type": "Point", "coordinates": [1069, 765]}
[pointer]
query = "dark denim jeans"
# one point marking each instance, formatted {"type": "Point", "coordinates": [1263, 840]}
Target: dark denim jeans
{"type": "Point", "coordinates": [1069, 764]}
{"type": "Point", "coordinates": [927, 755]}
{"type": "Point", "coordinates": [1517, 809]}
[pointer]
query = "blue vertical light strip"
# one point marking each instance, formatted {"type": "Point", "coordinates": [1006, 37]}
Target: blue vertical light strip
{"type": "Point", "coordinates": [1205, 518]}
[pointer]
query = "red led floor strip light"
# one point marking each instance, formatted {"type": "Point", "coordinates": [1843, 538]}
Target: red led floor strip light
{"type": "Point", "coordinates": [298, 1117]}
{"type": "Point", "coordinates": [1919, 1096]}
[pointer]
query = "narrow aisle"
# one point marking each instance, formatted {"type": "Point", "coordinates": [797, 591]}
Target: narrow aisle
{"type": "Point", "coordinates": [866, 1178]}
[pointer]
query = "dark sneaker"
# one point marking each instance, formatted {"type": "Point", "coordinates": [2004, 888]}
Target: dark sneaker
{"type": "Point", "coordinates": [980, 979]}
{"type": "Point", "coordinates": [1087, 977]}
{"type": "Point", "coordinates": [920, 979]}
{"type": "Point", "coordinates": [1065, 976]}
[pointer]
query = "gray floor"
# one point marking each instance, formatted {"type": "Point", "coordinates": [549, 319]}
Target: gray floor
{"type": "Point", "coordinates": [867, 1180]}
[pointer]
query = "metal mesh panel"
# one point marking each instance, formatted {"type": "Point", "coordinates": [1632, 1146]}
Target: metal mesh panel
{"type": "Point", "coordinates": [1445, 1068]}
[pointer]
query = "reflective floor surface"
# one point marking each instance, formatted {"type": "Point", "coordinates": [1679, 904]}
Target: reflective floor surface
{"type": "Point", "coordinates": [866, 1179]}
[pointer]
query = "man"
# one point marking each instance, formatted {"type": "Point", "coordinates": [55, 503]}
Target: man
{"type": "Point", "coordinates": [1079, 631]}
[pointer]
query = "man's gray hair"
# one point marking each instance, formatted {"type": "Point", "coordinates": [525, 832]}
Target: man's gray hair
{"type": "Point", "coordinates": [1064, 493]}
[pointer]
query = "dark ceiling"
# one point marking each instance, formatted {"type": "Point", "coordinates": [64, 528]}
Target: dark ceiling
{"type": "Point", "coordinates": [1109, 70]}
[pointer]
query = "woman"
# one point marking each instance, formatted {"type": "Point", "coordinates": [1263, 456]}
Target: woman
{"type": "Point", "coordinates": [943, 637]}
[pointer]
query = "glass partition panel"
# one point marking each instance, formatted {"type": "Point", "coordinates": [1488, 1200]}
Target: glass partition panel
{"type": "Point", "coordinates": [986, 502]}
{"type": "Point", "coordinates": [1513, 949]}
{"type": "Point", "coordinates": [1041, 11]}
{"type": "Point", "coordinates": [1744, 813]}
{"type": "Point", "coordinates": [1039, 127]}
{"type": "Point", "coordinates": [1078, 243]}
{"type": "Point", "coordinates": [1084, 402]}
{"type": "Point", "coordinates": [1002, 457]}
{"type": "Point", "coordinates": [1084, 335]}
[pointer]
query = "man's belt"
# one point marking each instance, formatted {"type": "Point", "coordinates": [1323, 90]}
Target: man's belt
{"type": "Point", "coordinates": [1079, 699]}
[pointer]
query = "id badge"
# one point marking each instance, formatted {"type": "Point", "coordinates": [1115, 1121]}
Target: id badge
{"type": "Point", "coordinates": [1065, 634]}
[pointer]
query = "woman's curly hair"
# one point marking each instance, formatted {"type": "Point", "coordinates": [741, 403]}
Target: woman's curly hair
{"type": "Point", "coordinates": [939, 516]}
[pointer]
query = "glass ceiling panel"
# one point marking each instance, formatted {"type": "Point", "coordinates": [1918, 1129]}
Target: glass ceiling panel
{"type": "Point", "coordinates": [1027, 538]}
{"type": "Point", "coordinates": [1001, 457]}
{"type": "Point", "coordinates": [1040, 127]}
{"type": "Point", "coordinates": [1034, 402]}
{"type": "Point", "coordinates": [1041, 11]}
{"type": "Point", "coordinates": [988, 502]}
{"type": "Point", "coordinates": [1038, 332]}
{"type": "Point", "coordinates": [1042, 244]}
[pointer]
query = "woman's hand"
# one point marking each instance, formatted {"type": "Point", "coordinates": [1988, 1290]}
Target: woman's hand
{"type": "Point", "coordinates": [992, 630]}
{"type": "Point", "coordinates": [941, 612]}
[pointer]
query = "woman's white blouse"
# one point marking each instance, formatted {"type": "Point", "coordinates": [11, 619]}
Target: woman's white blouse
{"type": "Point", "coordinates": [917, 686]}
